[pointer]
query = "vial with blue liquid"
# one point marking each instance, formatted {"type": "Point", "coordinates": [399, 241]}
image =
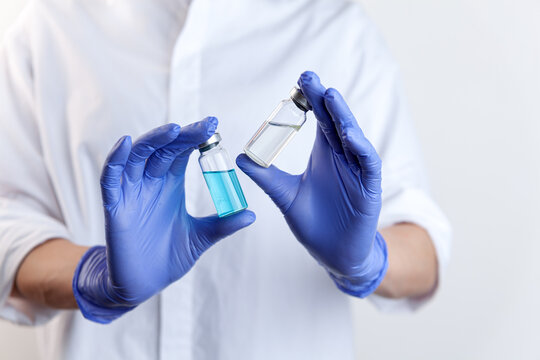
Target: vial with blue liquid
{"type": "Point", "coordinates": [221, 179]}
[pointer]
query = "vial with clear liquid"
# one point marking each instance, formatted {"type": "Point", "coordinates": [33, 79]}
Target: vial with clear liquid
{"type": "Point", "coordinates": [221, 178]}
{"type": "Point", "coordinates": [276, 132]}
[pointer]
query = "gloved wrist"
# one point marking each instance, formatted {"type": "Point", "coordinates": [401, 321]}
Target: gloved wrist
{"type": "Point", "coordinates": [93, 290]}
{"type": "Point", "coordinates": [370, 277]}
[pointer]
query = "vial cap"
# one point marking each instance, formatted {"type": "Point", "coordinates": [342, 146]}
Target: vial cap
{"type": "Point", "coordinates": [214, 139]}
{"type": "Point", "coordinates": [299, 99]}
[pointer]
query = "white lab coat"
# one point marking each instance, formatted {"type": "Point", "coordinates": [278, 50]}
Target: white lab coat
{"type": "Point", "coordinates": [77, 75]}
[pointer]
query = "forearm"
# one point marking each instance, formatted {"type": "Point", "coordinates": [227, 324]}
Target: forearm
{"type": "Point", "coordinates": [412, 262]}
{"type": "Point", "coordinates": [46, 273]}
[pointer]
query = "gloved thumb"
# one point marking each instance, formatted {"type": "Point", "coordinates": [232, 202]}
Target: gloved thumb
{"type": "Point", "coordinates": [211, 229]}
{"type": "Point", "coordinates": [279, 185]}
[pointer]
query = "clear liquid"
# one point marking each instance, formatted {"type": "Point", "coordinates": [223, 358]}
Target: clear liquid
{"type": "Point", "coordinates": [269, 141]}
{"type": "Point", "coordinates": [226, 192]}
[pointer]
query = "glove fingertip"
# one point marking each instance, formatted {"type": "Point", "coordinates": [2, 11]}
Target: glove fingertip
{"type": "Point", "coordinates": [249, 217]}
{"type": "Point", "coordinates": [212, 120]}
{"type": "Point", "coordinates": [331, 94]}
{"type": "Point", "coordinates": [172, 127]}
{"type": "Point", "coordinates": [306, 77]}
{"type": "Point", "coordinates": [241, 219]}
{"type": "Point", "coordinates": [168, 132]}
{"type": "Point", "coordinates": [244, 162]}
{"type": "Point", "coordinates": [117, 156]}
{"type": "Point", "coordinates": [211, 124]}
{"type": "Point", "coordinates": [312, 88]}
{"type": "Point", "coordinates": [119, 147]}
{"type": "Point", "coordinates": [240, 159]}
{"type": "Point", "coordinates": [215, 228]}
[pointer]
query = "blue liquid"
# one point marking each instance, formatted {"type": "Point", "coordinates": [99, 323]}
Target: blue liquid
{"type": "Point", "coordinates": [225, 191]}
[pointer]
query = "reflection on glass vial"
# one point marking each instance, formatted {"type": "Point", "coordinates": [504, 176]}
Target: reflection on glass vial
{"type": "Point", "coordinates": [221, 178]}
{"type": "Point", "coordinates": [276, 132]}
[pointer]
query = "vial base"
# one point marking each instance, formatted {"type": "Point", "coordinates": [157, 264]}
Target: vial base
{"type": "Point", "coordinates": [269, 141]}
{"type": "Point", "coordinates": [226, 192]}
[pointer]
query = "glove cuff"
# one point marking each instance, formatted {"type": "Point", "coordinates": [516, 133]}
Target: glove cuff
{"type": "Point", "coordinates": [367, 283]}
{"type": "Point", "coordinates": [91, 286]}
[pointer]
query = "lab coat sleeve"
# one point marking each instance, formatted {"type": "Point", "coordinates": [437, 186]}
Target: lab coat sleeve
{"type": "Point", "coordinates": [29, 211]}
{"type": "Point", "coordinates": [375, 93]}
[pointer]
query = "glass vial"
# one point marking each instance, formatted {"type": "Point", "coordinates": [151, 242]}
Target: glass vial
{"type": "Point", "coordinates": [221, 179]}
{"type": "Point", "coordinates": [276, 132]}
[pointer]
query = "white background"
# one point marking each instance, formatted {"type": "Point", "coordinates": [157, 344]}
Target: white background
{"type": "Point", "coordinates": [471, 70]}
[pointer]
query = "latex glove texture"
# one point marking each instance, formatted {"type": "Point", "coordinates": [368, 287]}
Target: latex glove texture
{"type": "Point", "coordinates": [333, 207]}
{"type": "Point", "coordinates": [151, 239]}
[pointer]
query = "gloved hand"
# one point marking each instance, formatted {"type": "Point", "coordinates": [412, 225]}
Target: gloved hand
{"type": "Point", "coordinates": [333, 207]}
{"type": "Point", "coordinates": [151, 239]}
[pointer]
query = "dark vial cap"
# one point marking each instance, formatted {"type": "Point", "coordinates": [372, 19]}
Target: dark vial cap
{"type": "Point", "coordinates": [299, 99]}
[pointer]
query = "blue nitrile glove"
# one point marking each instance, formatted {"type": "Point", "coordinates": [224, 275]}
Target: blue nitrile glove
{"type": "Point", "coordinates": [151, 239]}
{"type": "Point", "coordinates": [333, 207]}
